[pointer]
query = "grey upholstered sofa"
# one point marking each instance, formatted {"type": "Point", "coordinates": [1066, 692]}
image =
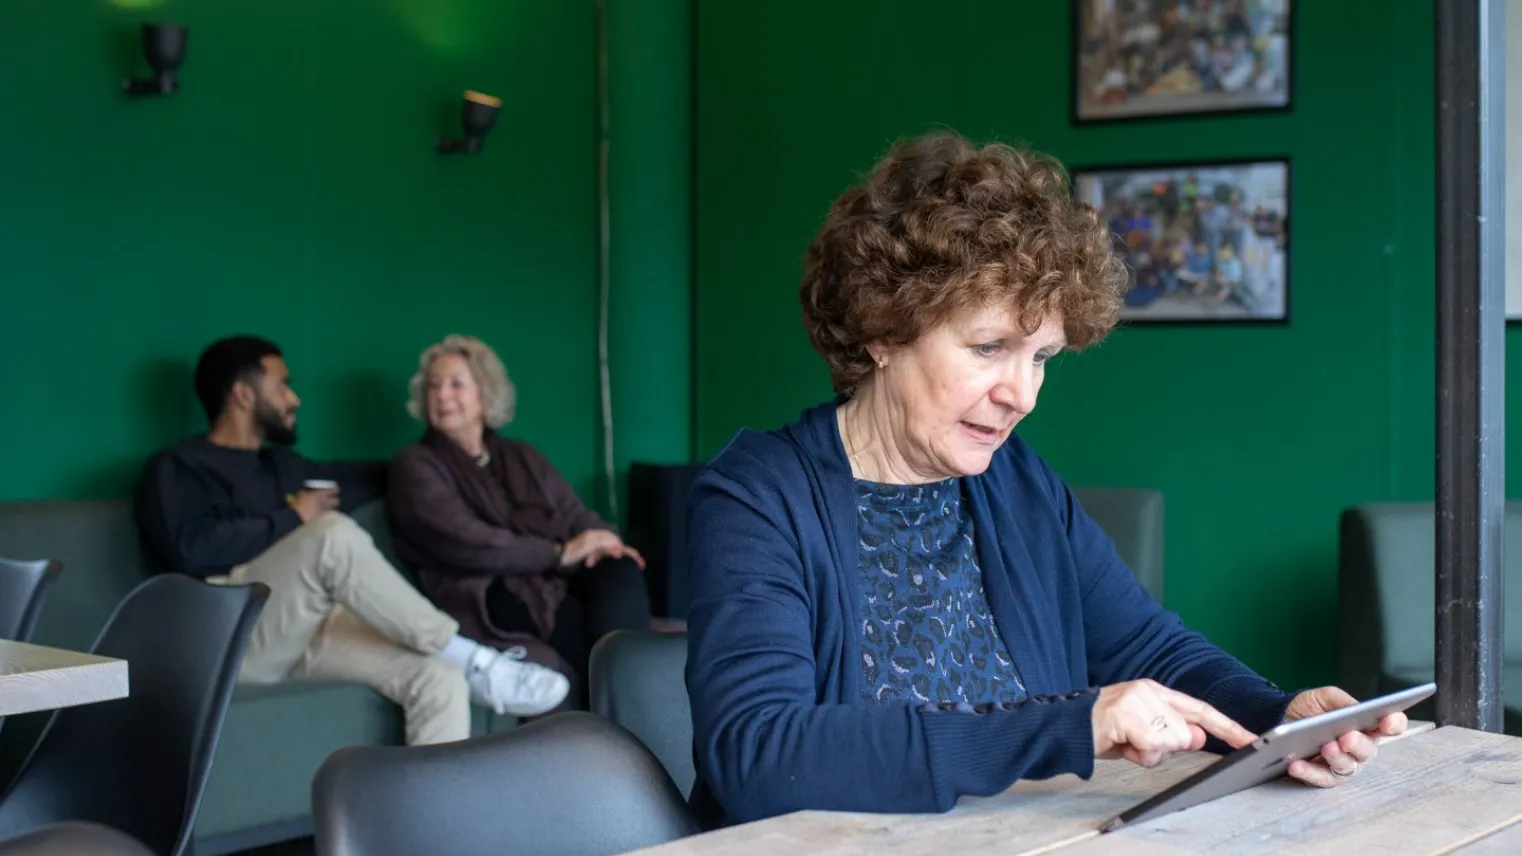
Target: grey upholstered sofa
{"type": "Point", "coordinates": [274, 738]}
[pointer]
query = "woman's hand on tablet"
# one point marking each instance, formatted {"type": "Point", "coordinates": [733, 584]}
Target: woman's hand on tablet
{"type": "Point", "coordinates": [1146, 722]}
{"type": "Point", "coordinates": [1340, 759]}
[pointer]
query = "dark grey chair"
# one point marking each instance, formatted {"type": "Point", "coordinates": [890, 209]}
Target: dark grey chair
{"type": "Point", "coordinates": [139, 764]}
{"type": "Point", "coordinates": [1133, 518]}
{"type": "Point", "coordinates": [637, 679]}
{"type": "Point", "coordinates": [23, 588]}
{"type": "Point", "coordinates": [73, 838]}
{"type": "Point", "coordinates": [656, 525]}
{"type": "Point", "coordinates": [571, 784]}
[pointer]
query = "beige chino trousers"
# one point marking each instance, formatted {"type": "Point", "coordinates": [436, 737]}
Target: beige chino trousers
{"type": "Point", "coordinates": [338, 611]}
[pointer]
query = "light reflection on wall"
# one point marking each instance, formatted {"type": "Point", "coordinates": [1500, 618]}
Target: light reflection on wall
{"type": "Point", "coordinates": [453, 28]}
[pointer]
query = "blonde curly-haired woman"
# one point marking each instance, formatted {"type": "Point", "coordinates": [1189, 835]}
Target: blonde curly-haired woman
{"type": "Point", "coordinates": [498, 538]}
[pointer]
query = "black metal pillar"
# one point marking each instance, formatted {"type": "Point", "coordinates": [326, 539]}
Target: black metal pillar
{"type": "Point", "coordinates": [1471, 329]}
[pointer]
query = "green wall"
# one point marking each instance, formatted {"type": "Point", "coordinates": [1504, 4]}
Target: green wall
{"type": "Point", "coordinates": [291, 189]}
{"type": "Point", "coordinates": [1257, 436]}
{"type": "Point", "coordinates": [650, 212]}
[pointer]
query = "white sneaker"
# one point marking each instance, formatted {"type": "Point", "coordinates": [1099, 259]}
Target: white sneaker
{"type": "Point", "coordinates": [506, 684]}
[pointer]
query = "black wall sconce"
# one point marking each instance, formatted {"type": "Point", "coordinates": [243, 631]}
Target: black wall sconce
{"type": "Point", "coordinates": [477, 113]}
{"type": "Point", "coordinates": [164, 48]}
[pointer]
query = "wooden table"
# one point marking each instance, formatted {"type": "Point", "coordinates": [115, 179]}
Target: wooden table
{"type": "Point", "coordinates": [34, 677]}
{"type": "Point", "coordinates": [1432, 791]}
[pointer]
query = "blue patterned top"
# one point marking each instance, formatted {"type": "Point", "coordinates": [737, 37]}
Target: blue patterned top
{"type": "Point", "coordinates": [927, 634]}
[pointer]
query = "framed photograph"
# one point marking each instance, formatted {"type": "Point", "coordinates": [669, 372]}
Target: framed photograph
{"type": "Point", "coordinates": [1135, 59]}
{"type": "Point", "coordinates": [1206, 242]}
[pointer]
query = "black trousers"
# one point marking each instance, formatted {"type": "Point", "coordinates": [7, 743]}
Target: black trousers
{"type": "Point", "coordinates": [608, 596]}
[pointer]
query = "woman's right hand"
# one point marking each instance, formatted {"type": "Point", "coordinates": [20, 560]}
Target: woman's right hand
{"type": "Point", "coordinates": [594, 545]}
{"type": "Point", "coordinates": [1146, 722]}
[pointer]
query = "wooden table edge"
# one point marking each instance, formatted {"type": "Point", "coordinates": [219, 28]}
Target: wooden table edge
{"type": "Point", "coordinates": [108, 674]}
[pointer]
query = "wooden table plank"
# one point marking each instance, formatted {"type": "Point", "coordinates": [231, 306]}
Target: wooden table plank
{"type": "Point", "coordinates": [1031, 817]}
{"type": "Point", "coordinates": [1506, 841]}
{"type": "Point", "coordinates": [34, 677]}
{"type": "Point", "coordinates": [1423, 795]}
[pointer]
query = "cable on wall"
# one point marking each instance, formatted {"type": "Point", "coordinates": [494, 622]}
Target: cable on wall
{"type": "Point", "coordinates": [604, 263]}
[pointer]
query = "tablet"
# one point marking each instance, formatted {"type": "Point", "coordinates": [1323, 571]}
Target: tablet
{"type": "Point", "coordinates": [1269, 756]}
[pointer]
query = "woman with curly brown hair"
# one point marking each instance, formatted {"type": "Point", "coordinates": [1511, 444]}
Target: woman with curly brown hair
{"type": "Point", "coordinates": [895, 601]}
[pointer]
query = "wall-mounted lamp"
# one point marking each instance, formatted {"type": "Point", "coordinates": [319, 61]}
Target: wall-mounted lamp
{"type": "Point", "coordinates": [478, 113]}
{"type": "Point", "coordinates": [164, 48]}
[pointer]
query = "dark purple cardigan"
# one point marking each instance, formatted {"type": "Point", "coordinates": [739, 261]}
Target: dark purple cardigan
{"type": "Point", "coordinates": [461, 526]}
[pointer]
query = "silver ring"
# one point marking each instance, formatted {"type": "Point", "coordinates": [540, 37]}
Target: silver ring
{"type": "Point", "coordinates": [1159, 723]}
{"type": "Point", "coordinates": [1343, 775]}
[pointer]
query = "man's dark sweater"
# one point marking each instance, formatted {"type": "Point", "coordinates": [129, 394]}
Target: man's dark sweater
{"type": "Point", "coordinates": [202, 508]}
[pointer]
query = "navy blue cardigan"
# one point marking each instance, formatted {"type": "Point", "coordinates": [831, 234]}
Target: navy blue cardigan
{"type": "Point", "coordinates": [774, 639]}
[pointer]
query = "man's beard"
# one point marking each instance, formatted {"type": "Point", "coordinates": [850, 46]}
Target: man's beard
{"type": "Point", "coordinates": [272, 425]}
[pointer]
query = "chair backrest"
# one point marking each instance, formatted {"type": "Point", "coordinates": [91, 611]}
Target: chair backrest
{"type": "Point", "coordinates": [1133, 518]}
{"type": "Point", "coordinates": [23, 588]}
{"type": "Point", "coordinates": [1387, 557]}
{"type": "Point", "coordinates": [571, 784]}
{"type": "Point", "coordinates": [139, 764]}
{"type": "Point", "coordinates": [637, 679]}
{"type": "Point", "coordinates": [656, 525]}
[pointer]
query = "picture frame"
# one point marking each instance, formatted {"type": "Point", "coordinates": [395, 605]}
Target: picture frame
{"type": "Point", "coordinates": [1206, 241]}
{"type": "Point", "coordinates": [1149, 59]}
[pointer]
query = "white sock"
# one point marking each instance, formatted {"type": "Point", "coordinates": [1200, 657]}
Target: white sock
{"type": "Point", "coordinates": [460, 651]}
